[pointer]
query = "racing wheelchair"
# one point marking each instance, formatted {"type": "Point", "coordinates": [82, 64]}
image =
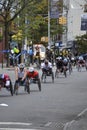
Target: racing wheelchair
{"type": "Point", "coordinates": [35, 81]}
{"type": "Point", "coordinates": [62, 70]}
{"type": "Point", "coordinates": [19, 83]}
{"type": "Point", "coordinates": [45, 74]}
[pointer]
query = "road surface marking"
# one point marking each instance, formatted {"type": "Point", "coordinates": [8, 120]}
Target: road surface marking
{"type": "Point", "coordinates": [48, 124]}
{"type": "Point", "coordinates": [3, 104]}
{"type": "Point", "coordinates": [15, 123]}
{"type": "Point", "coordinates": [16, 129]}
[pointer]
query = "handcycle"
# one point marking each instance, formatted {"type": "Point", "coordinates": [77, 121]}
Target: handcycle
{"type": "Point", "coordinates": [8, 88]}
{"type": "Point", "coordinates": [35, 81]}
{"type": "Point", "coordinates": [19, 83]}
{"type": "Point", "coordinates": [46, 73]}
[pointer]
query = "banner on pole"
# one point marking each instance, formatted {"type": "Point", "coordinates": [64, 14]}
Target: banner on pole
{"type": "Point", "coordinates": [54, 13]}
{"type": "Point", "coordinates": [84, 22]}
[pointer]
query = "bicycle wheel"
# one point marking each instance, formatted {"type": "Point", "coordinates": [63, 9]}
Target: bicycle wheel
{"type": "Point", "coordinates": [39, 84]}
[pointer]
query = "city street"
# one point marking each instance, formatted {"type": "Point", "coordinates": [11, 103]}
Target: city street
{"type": "Point", "coordinates": [58, 103]}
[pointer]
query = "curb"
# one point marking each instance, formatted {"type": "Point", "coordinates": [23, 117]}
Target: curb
{"type": "Point", "coordinates": [73, 124]}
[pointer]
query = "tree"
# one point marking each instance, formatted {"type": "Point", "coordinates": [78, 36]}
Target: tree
{"type": "Point", "coordinates": [82, 43]}
{"type": "Point", "coordinates": [9, 10]}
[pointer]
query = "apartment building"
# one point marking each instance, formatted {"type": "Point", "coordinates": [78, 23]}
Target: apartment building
{"type": "Point", "coordinates": [75, 8]}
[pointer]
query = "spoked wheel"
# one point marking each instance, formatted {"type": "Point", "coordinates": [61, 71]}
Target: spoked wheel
{"type": "Point", "coordinates": [39, 84]}
{"type": "Point", "coordinates": [79, 68]}
{"type": "Point", "coordinates": [65, 73]}
{"type": "Point", "coordinates": [11, 88]}
{"type": "Point", "coordinates": [56, 74]}
{"type": "Point", "coordinates": [52, 77]}
{"type": "Point", "coordinates": [43, 78]}
{"type": "Point", "coordinates": [86, 67]}
{"type": "Point", "coordinates": [16, 88]}
{"type": "Point", "coordinates": [27, 88]}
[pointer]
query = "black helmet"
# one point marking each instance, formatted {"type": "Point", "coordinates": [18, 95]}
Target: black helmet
{"type": "Point", "coordinates": [46, 62]}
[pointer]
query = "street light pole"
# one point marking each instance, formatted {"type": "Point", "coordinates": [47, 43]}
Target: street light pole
{"type": "Point", "coordinates": [49, 42]}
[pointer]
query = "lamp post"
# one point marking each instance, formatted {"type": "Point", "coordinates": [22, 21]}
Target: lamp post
{"type": "Point", "coordinates": [49, 24]}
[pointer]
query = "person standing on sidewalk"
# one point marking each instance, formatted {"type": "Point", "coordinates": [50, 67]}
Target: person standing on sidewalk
{"type": "Point", "coordinates": [31, 55]}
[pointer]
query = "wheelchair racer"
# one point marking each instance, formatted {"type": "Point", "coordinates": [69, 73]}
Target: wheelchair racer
{"type": "Point", "coordinates": [59, 64]}
{"type": "Point", "coordinates": [5, 79]}
{"type": "Point", "coordinates": [32, 74]}
{"type": "Point", "coordinates": [20, 73]}
{"type": "Point", "coordinates": [81, 60]}
{"type": "Point", "coordinates": [46, 67]}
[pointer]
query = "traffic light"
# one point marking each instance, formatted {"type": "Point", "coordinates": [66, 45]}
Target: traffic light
{"type": "Point", "coordinates": [60, 20]}
{"type": "Point", "coordinates": [64, 20]}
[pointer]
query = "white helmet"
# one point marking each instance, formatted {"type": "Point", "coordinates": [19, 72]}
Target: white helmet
{"type": "Point", "coordinates": [31, 69]}
{"type": "Point", "coordinates": [59, 58]}
{"type": "Point", "coordinates": [80, 58]}
{"type": "Point", "coordinates": [65, 60]}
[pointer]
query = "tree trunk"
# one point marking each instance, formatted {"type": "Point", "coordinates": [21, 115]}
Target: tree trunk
{"type": "Point", "coordinates": [7, 43]}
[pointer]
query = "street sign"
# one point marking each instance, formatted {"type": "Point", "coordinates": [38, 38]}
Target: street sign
{"type": "Point", "coordinates": [84, 22]}
{"type": "Point", "coordinates": [54, 12]}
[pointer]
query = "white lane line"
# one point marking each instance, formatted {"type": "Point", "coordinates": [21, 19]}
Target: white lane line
{"type": "Point", "coordinates": [16, 129]}
{"type": "Point", "coordinates": [4, 105]}
{"type": "Point", "coordinates": [48, 124]}
{"type": "Point", "coordinates": [15, 123]}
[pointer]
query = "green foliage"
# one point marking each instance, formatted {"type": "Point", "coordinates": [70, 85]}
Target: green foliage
{"type": "Point", "coordinates": [82, 43]}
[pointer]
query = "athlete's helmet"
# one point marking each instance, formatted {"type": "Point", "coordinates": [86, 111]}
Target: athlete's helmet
{"type": "Point", "coordinates": [46, 62]}
{"type": "Point", "coordinates": [65, 60]}
{"type": "Point", "coordinates": [31, 69]}
{"type": "Point", "coordinates": [59, 58]}
{"type": "Point", "coordinates": [21, 66]}
{"type": "Point", "coordinates": [80, 58]}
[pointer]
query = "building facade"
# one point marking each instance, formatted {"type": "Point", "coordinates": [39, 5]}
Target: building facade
{"type": "Point", "coordinates": [74, 12]}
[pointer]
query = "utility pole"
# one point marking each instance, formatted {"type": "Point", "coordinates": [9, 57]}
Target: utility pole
{"type": "Point", "coordinates": [49, 42]}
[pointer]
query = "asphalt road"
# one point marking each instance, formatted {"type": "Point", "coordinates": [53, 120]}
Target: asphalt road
{"type": "Point", "coordinates": [58, 103]}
